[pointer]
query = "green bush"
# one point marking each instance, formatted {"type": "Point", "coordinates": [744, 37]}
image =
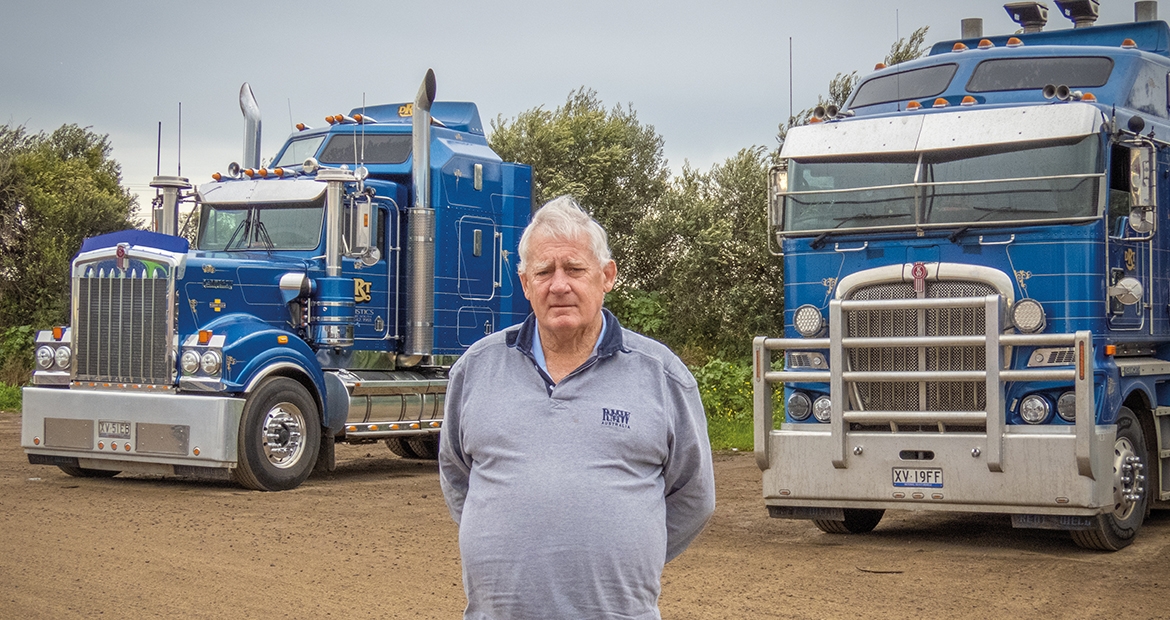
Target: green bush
{"type": "Point", "coordinates": [9, 397]}
{"type": "Point", "coordinates": [16, 354]}
{"type": "Point", "coordinates": [726, 389]}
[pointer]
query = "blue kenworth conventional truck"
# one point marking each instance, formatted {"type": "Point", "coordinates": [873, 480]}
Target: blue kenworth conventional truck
{"type": "Point", "coordinates": [976, 289]}
{"type": "Point", "coordinates": [323, 300]}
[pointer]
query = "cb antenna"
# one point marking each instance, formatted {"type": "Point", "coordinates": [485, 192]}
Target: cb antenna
{"type": "Point", "coordinates": [158, 158]}
{"type": "Point", "coordinates": [179, 158]}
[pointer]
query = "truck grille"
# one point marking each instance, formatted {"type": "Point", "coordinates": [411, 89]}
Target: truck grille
{"type": "Point", "coordinates": [887, 323]}
{"type": "Point", "coordinates": [121, 332]}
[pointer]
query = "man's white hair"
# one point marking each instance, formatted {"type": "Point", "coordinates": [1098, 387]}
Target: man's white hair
{"type": "Point", "coordinates": [563, 219]}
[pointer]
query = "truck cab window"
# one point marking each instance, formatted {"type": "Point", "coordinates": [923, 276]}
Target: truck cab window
{"type": "Point", "coordinates": [1119, 200]}
{"type": "Point", "coordinates": [298, 151]}
{"type": "Point", "coordinates": [295, 226]}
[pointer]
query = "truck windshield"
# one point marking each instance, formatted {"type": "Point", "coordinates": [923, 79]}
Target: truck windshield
{"type": "Point", "coordinates": [298, 151]}
{"type": "Point", "coordinates": [968, 186]}
{"type": "Point", "coordinates": [295, 226]}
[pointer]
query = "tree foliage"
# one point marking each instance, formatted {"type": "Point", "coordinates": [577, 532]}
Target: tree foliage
{"type": "Point", "coordinates": [55, 190]}
{"type": "Point", "coordinates": [605, 158]}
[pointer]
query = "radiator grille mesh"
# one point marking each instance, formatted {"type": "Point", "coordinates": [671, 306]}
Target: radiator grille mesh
{"type": "Point", "coordinates": [121, 330]}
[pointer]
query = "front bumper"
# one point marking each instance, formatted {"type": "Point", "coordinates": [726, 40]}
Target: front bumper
{"type": "Point", "coordinates": [130, 431]}
{"type": "Point", "coordinates": [1038, 475]}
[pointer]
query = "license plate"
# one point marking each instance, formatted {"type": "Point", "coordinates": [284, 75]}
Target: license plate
{"type": "Point", "coordinates": [113, 430]}
{"type": "Point", "coordinates": [931, 478]}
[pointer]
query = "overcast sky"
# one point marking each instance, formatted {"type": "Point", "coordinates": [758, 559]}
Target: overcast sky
{"type": "Point", "coordinates": [711, 77]}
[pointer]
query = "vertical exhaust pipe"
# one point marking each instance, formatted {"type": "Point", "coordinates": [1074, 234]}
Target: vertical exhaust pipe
{"type": "Point", "coordinates": [1145, 11]}
{"type": "Point", "coordinates": [420, 259]}
{"type": "Point", "coordinates": [251, 112]}
{"type": "Point", "coordinates": [972, 27]}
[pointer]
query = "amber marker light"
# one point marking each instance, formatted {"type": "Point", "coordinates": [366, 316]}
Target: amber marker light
{"type": "Point", "coordinates": [101, 445]}
{"type": "Point", "coordinates": [814, 120]}
{"type": "Point", "coordinates": [357, 117]}
{"type": "Point", "coordinates": [968, 100]}
{"type": "Point", "coordinates": [434, 425]}
{"type": "Point", "coordinates": [204, 336]}
{"type": "Point", "coordinates": [393, 427]}
{"type": "Point", "coordinates": [36, 441]}
{"type": "Point", "coordinates": [373, 427]}
{"type": "Point", "coordinates": [1128, 44]}
{"type": "Point", "coordinates": [1110, 349]}
{"type": "Point", "coordinates": [302, 126]}
{"type": "Point", "coordinates": [282, 339]}
{"type": "Point", "coordinates": [114, 446]}
{"type": "Point", "coordinates": [1088, 97]}
{"type": "Point", "coordinates": [959, 47]}
{"type": "Point", "coordinates": [58, 332]}
{"type": "Point", "coordinates": [351, 429]}
{"type": "Point", "coordinates": [985, 44]}
{"type": "Point", "coordinates": [879, 66]}
{"type": "Point", "coordinates": [263, 172]}
{"type": "Point", "coordinates": [217, 176]}
{"type": "Point", "coordinates": [278, 172]}
{"type": "Point", "coordinates": [126, 447]}
{"type": "Point", "coordinates": [329, 119]}
{"type": "Point", "coordinates": [913, 105]}
{"type": "Point", "coordinates": [195, 451]}
{"type": "Point", "coordinates": [1014, 42]}
{"type": "Point", "coordinates": [249, 172]}
{"type": "Point", "coordinates": [414, 425]}
{"type": "Point", "coordinates": [940, 103]}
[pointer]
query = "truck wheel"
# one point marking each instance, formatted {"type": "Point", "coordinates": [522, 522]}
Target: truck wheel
{"type": "Point", "coordinates": [857, 521]}
{"type": "Point", "coordinates": [400, 447]}
{"type": "Point", "coordinates": [425, 447]}
{"type": "Point", "coordinates": [83, 472]}
{"type": "Point", "coordinates": [280, 434]}
{"type": "Point", "coordinates": [1116, 529]}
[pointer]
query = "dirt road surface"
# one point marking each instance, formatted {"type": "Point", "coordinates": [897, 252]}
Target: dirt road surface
{"type": "Point", "coordinates": [373, 540]}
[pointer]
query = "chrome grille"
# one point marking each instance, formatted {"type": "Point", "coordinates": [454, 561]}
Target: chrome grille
{"type": "Point", "coordinates": [887, 323]}
{"type": "Point", "coordinates": [120, 332]}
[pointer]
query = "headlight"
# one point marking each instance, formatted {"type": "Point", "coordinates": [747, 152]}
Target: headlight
{"type": "Point", "coordinates": [1066, 406]}
{"type": "Point", "coordinates": [45, 358]}
{"type": "Point", "coordinates": [823, 409]}
{"type": "Point", "coordinates": [808, 321]}
{"type": "Point", "coordinates": [1028, 316]}
{"type": "Point", "coordinates": [210, 363]}
{"type": "Point", "coordinates": [799, 406]}
{"type": "Point", "coordinates": [189, 362]}
{"type": "Point", "coordinates": [62, 357]}
{"type": "Point", "coordinates": [1034, 409]}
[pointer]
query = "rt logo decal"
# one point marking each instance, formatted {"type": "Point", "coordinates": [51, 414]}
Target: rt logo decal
{"type": "Point", "coordinates": [361, 290]}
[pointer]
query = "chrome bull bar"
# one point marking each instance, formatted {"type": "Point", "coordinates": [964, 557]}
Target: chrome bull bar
{"type": "Point", "coordinates": [994, 377]}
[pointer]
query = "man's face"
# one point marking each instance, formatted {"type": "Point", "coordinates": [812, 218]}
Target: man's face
{"type": "Point", "coordinates": [565, 284]}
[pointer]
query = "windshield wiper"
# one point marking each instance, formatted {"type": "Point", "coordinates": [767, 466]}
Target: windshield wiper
{"type": "Point", "coordinates": [245, 225]}
{"type": "Point", "coordinates": [993, 210]}
{"type": "Point", "coordinates": [820, 239]}
{"type": "Point", "coordinates": [262, 233]}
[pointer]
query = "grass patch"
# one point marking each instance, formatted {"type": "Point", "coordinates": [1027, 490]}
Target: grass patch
{"type": "Point", "coordinates": [727, 433]}
{"type": "Point", "coordinates": [9, 398]}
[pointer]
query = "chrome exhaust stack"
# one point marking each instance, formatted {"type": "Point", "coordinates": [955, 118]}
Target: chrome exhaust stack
{"type": "Point", "coordinates": [421, 224]}
{"type": "Point", "coordinates": [1145, 11]}
{"type": "Point", "coordinates": [251, 112]}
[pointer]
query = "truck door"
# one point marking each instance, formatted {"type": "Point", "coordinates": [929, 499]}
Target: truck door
{"type": "Point", "coordinates": [478, 258]}
{"type": "Point", "coordinates": [1131, 233]}
{"type": "Point", "coordinates": [371, 290]}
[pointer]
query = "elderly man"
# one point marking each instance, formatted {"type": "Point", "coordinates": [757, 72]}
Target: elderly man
{"type": "Point", "coordinates": [574, 453]}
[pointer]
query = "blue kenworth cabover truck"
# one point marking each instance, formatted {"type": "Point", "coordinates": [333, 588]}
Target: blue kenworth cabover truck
{"type": "Point", "coordinates": [977, 282]}
{"type": "Point", "coordinates": [323, 300]}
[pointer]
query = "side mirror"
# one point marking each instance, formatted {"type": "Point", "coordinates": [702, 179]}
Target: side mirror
{"type": "Point", "coordinates": [358, 235]}
{"type": "Point", "coordinates": [777, 186]}
{"type": "Point", "coordinates": [1143, 188]}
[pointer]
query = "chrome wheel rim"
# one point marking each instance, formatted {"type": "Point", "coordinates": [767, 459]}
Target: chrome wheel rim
{"type": "Point", "coordinates": [284, 435]}
{"type": "Point", "coordinates": [1128, 478]}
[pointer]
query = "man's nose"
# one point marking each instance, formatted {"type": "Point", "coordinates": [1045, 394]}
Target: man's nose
{"type": "Point", "coordinates": [559, 282]}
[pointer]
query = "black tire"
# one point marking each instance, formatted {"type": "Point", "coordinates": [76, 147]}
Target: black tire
{"type": "Point", "coordinates": [84, 472]}
{"type": "Point", "coordinates": [280, 435]}
{"type": "Point", "coordinates": [857, 521]}
{"type": "Point", "coordinates": [1115, 530]}
{"type": "Point", "coordinates": [400, 447]}
{"type": "Point", "coordinates": [426, 447]}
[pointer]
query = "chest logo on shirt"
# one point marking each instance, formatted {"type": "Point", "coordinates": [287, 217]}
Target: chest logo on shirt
{"type": "Point", "coordinates": [615, 417]}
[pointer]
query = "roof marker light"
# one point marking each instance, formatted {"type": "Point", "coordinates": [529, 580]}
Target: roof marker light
{"type": "Point", "coordinates": [217, 176]}
{"type": "Point", "coordinates": [263, 172]}
{"type": "Point", "coordinates": [278, 172]}
{"type": "Point", "coordinates": [879, 66]}
{"type": "Point", "coordinates": [250, 172]}
{"type": "Point", "coordinates": [302, 127]}
{"type": "Point", "coordinates": [940, 103]}
{"type": "Point", "coordinates": [1014, 42]}
{"type": "Point", "coordinates": [913, 105]}
{"type": "Point", "coordinates": [815, 120]}
{"type": "Point", "coordinates": [358, 117]}
{"type": "Point", "coordinates": [1088, 97]}
{"type": "Point", "coordinates": [204, 336]}
{"type": "Point", "coordinates": [985, 44]}
{"type": "Point", "coordinates": [959, 47]}
{"type": "Point", "coordinates": [968, 100]}
{"type": "Point", "coordinates": [329, 119]}
{"type": "Point", "coordinates": [1128, 44]}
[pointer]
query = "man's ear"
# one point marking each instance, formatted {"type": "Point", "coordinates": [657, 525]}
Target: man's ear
{"type": "Point", "coordinates": [609, 273]}
{"type": "Point", "coordinates": [524, 285]}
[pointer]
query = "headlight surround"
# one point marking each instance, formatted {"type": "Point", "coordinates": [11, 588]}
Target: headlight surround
{"type": "Point", "coordinates": [799, 406]}
{"type": "Point", "coordinates": [189, 362]}
{"type": "Point", "coordinates": [1066, 406]}
{"type": "Point", "coordinates": [808, 321]}
{"type": "Point", "coordinates": [1028, 316]}
{"type": "Point", "coordinates": [209, 363]}
{"type": "Point", "coordinates": [62, 357]}
{"type": "Point", "coordinates": [45, 358]}
{"type": "Point", "coordinates": [823, 409]}
{"type": "Point", "coordinates": [1034, 409]}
